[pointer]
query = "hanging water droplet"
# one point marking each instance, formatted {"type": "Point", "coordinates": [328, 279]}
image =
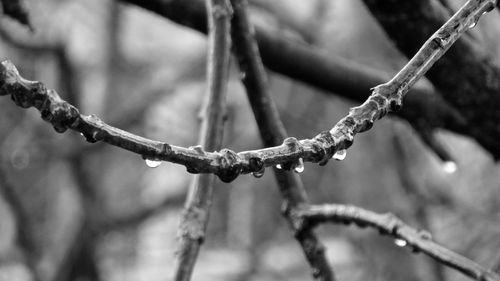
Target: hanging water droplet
{"type": "Point", "coordinates": [278, 166]}
{"type": "Point", "coordinates": [152, 163]}
{"type": "Point", "coordinates": [450, 167]}
{"type": "Point", "coordinates": [258, 174]}
{"type": "Point", "coordinates": [340, 155]}
{"type": "Point", "coordinates": [473, 24]}
{"type": "Point", "coordinates": [299, 168]}
{"type": "Point", "coordinates": [400, 242]}
{"type": "Point", "coordinates": [81, 134]}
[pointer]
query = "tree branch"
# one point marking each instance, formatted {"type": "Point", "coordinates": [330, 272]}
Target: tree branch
{"type": "Point", "coordinates": [273, 132]}
{"type": "Point", "coordinates": [329, 72]}
{"type": "Point", "coordinates": [417, 240]}
{"type": "Point", "coordinates": [467, 78]}
{"type": "Point", "coordinates": [197, 208]}
{"type": "Point", "coordinates": [226, 163]}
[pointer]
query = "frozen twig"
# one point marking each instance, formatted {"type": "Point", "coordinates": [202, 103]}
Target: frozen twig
{"type": "Point", "coordinates": [197, 208]}
{"type": "Point", "coordinates": [273, 132]}
{"type": "Point", "coordinates": [226, 163]}
{"type": "Point", "coordinates": [406, 236]}
{"type": "Point", "coordinates": [332, 73]}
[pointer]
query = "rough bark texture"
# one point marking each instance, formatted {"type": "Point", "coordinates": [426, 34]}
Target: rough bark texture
{"type": "Point", "coordinates": [467, 77]}
{"type": "Point", "coordinates": [325, 71]}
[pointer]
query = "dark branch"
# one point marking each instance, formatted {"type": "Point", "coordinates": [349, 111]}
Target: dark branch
{"type": "Point", "coordinates": [388, 224]}
{"type": "Point", "coordinates": [273, 133]}
{"type": "Point", "coordinates": [197, 208]}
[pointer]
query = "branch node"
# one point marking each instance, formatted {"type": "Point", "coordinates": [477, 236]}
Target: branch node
{"type": "Point", "coordinates": [230, 165]}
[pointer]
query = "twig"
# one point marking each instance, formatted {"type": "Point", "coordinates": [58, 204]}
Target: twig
{"type": "Point", "coordinates": [227, 164]}
{"type": "Point", "coordinates": [273, 132]}
{"type": "Point", "coordinates": [417, 240]}
{"type": "Point", "coordinates": [334, 74]}
{"type": "Point", "coordinates": [197, 208]}
{"type": "Point", "coordinates": [138, 217]}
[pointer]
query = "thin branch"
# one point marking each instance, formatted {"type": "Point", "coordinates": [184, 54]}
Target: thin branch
{"type": "Point", "coordinates": [273, 132]}
{"type": "Point", "coordinates": [468, 77]}
{"type": "Point", "coordinates": [197, 208]}
{"type": "Point", "coordinates": [329, 72]}
{"type": "Point", "coordinates": [417, 240]}
{"type": "Point", "coordinates": [227, 164]}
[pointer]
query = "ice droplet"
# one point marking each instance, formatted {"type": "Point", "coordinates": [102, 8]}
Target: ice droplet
{"type": "Point", "coordinates": [152, 163]}
{"type": "Point", "coordinates": [340, 155]}
{"type": "Point", "coordinates": [299, 168]}
{"type": "Point", "coordinates": [450, 167]}
{"type": "Point", "coordinates": [400, 242]}
{"type": "Point", "coordinates": [258, 174]}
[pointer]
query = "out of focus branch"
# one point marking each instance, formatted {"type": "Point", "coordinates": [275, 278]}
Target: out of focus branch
{"type": "Point", "coordinates": [17, 10]}
{"type": "Point", "coordinates": [197, 208]}
{"type": "Point", "coordinates": [273, 132]}
{"type": "Point", "coordinates": [134, 219]}
{"type": "Point", "coordinates": [388, 224]}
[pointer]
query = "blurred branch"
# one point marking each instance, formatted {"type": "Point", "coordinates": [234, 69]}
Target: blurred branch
{"type": "Point", "coordinates": [417, 240]}
{"type": "Point", "coordinates": [17, 10]}
{"type": "Point", "coordinates": [468, 77]}
{"type": "Point", "coordinates": [273, 133]}
{"type": "Point", "coordinates": [134, 219]}
{"type": "Point", "coordinates": [226, 163]}
{"type": "Point", "coordinates": [197, 207]}
{"type": "Point", "coordinates": [24, 230]}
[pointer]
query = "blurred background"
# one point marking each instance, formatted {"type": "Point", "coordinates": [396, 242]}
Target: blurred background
{"type": "Point", "coordinates": [76, 211]}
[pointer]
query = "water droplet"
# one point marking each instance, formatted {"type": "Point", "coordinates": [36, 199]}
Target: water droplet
{"type": "Point", "coordinates": [258, 174]}
{"type": "Point", "coordinates": [340, 155]}
{"type": "Point", "coordinates": [450, 167]}
{"type": "Point", "coordinates": [243, 75]}
{"type": "Point", "coordinates": [473, 24]}
{"type": "Point", "coordinates": [299, 168]}
{"type": "Point", "coordinates": [400, 242]}
{"type": "Point", "coordinates": [152, 163]}
{"type": "Point", "coordinates": [278, 166]}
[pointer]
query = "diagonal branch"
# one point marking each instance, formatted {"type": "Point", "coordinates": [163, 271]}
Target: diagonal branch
{"type": "Point", "coordinates": [329, 72]}
{"type": "Point", "coordinates": [467, 78]}
{"type": "Point", "coordinates": [197, 208]}
{"type": "Point", "coordinates": [226, 163]}
{"type": "Point", "coordinates": [273, 132]}
{"type": "Point", "coordinates": [417, 240]}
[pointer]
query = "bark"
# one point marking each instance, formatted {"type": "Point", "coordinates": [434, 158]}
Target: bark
{"type": "Point", "coordinates": [467, 77]}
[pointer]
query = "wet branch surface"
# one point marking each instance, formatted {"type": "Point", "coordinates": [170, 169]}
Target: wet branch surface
{"type": "Point", "coordinates": [329, 72]}
{"type": "Point", "coordinates": [468, 77]}
{"type": "Point", "coordinates": [226, 163]}
{"type": "Point", "coordinates": [273, 132]}
{"type": "Point", "coordinates": [194, 221]}
{"type": "Point", "coordinates": [388, 224]}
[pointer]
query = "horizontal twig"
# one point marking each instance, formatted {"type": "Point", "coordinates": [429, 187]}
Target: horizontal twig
{"type": "Point", "coordinates": [226, 163]}
{"type": "Point", "coordinates": [406, 236]}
